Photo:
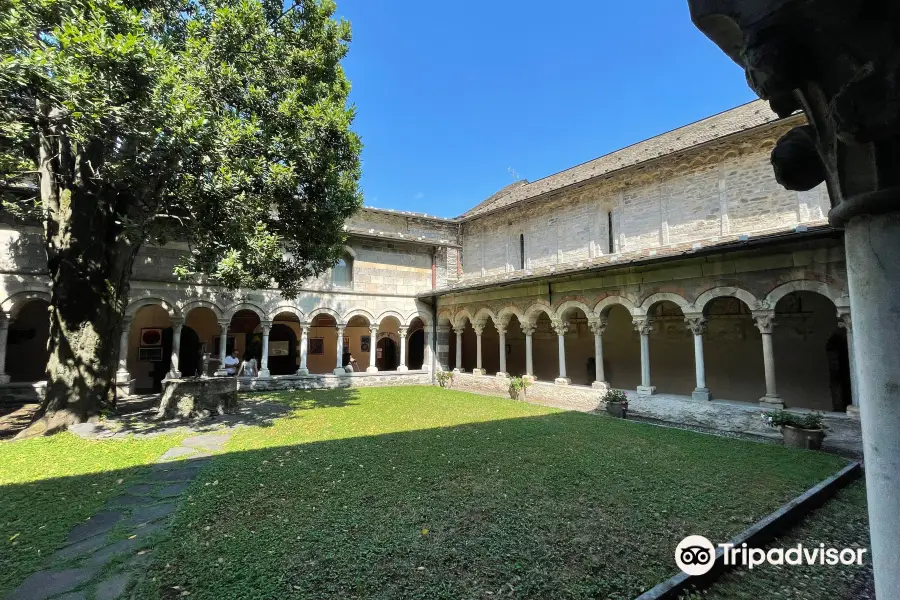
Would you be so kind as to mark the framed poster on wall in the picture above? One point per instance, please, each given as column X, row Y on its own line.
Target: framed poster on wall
column 365, row 343
column 279, row 348
column 317, row 346
column 346, row 344
column 151, row 337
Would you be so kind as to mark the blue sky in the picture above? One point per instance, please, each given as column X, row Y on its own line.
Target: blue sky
column 451, row 97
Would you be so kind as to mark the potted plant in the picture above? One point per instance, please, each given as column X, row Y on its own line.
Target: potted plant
column 798, row 430
column 616, row 403
column 517, row 387
column 445, row 379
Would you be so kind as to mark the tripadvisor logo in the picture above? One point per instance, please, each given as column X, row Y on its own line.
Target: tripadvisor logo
column 696, row 555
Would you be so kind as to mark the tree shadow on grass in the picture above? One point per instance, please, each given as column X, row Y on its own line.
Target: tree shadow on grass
column 558, row 506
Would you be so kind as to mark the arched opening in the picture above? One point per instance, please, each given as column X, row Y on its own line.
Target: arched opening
column 805, row 375
column 26, row 345
column 515, row 348
column 621, row 350
column 283, row 344
column 150, row 348
column 469, row 358
column 322, row 345
column 358, row 342
column 246, row 329
column 579, row 344
column 545, row 349
column 204, row 323
column 415, row 345
column 190, row 358
column 387, row 346
column 732, row 351
column 671, row 350
column 490, row 348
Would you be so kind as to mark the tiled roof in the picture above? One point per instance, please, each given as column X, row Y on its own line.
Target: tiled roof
column 406, row 213
column 735, row 120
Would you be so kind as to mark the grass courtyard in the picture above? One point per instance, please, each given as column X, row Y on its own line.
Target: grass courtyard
column 414, row 493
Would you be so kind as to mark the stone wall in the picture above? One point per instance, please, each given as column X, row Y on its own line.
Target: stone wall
column 350, row 380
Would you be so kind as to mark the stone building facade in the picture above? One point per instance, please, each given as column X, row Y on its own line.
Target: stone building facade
column 676, row 267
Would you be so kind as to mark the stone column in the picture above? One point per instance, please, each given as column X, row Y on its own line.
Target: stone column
column 501, row 331
column 561, row 327
column 264, row 361
column 459, row 333
column 430, row 350
column 443, row 347
column 846, row 322
column 339, row 365
column 373, row 348
column 174, row 373
column 402, row 366
column 4, row 336
column 765, row 322
column 697, row 325
column 223, row 345
column 479, row 329
column 644, row 325
column 122, row 375
column 528, row 330
column 598, row 326
column 304, row 349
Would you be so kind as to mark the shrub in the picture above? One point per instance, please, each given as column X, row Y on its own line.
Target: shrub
column 782, row 418
column 445, row 379
column 517, row 384
column 615, row 396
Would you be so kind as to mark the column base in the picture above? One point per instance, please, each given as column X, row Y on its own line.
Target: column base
column 529, row 378
column 853, row 412
column 371, row 369
column 503, row 375
column 4, row 378
column 264, row 374
column 457, row 370
column 772, row 402
column 645, row 390
column 172, row 375
column 125, row 388
column 339, row 371
column 600, row 385
column 562, row 381
column 478, row 372
column 121, row 377
column 403, row 368
column 701, row 394
column 302, row 371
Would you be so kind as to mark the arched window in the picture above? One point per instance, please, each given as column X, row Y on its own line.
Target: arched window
column 521, row 250
column 342, row 272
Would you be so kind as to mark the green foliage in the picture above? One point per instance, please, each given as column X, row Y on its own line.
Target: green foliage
column 617, row 396
column 782, row 418
column 221, row 123
column 517, row 384
column 445, row 378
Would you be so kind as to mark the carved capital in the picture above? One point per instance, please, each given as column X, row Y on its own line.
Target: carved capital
column 560, row 327
column 528, row 329
column 765, row 322
column 697, row 325
column 598, row 326
column 845, row 321
column 643, row 325
column 402, row 331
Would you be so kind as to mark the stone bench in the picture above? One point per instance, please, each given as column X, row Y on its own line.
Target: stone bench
column 200, row 396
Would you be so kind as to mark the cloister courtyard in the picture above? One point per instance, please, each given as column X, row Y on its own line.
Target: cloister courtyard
column 401, row 492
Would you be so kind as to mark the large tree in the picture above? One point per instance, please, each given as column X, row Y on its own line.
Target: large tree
column 221, row 123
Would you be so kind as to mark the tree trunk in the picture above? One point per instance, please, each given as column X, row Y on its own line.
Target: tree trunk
column 89, row 260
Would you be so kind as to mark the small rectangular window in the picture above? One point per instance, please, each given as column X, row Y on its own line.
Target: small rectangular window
column 609, row 233
column 522, row 251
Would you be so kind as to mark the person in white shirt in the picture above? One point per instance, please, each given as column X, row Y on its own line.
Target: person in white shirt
column 231, row 363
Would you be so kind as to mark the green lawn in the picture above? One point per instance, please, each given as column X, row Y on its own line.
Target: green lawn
column 429, row 493
column 48, row 485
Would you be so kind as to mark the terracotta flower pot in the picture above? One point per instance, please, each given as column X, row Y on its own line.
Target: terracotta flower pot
column 808, row 439
column 517, row 394
column 617, row 409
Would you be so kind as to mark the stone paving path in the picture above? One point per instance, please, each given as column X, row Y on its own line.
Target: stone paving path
column 105, row 554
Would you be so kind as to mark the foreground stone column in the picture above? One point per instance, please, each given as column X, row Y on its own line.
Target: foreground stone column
column 430, row 351
column 339, row 365
column 501, row 331
column 561, row 327
column 598, row 327
column 373, row 348
column 122, row 375
column 459, row 333
column 4, row 336
column 528, row 330
column 402, row 366
column 837, row 61
column 174, row 373
column 304, row 349
column 765, row 322
column 479, row 329
column 644, row 325
column 223, row 345
column 846, row 322
column 264, row 361
column 443, row 347
column 697, row 325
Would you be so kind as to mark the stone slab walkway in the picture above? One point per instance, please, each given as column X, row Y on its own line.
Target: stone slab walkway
column 104, row 555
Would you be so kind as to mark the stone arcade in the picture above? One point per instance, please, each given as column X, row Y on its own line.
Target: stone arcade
column 677, row 268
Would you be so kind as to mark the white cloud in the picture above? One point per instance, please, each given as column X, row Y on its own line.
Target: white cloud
column 420, row 196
